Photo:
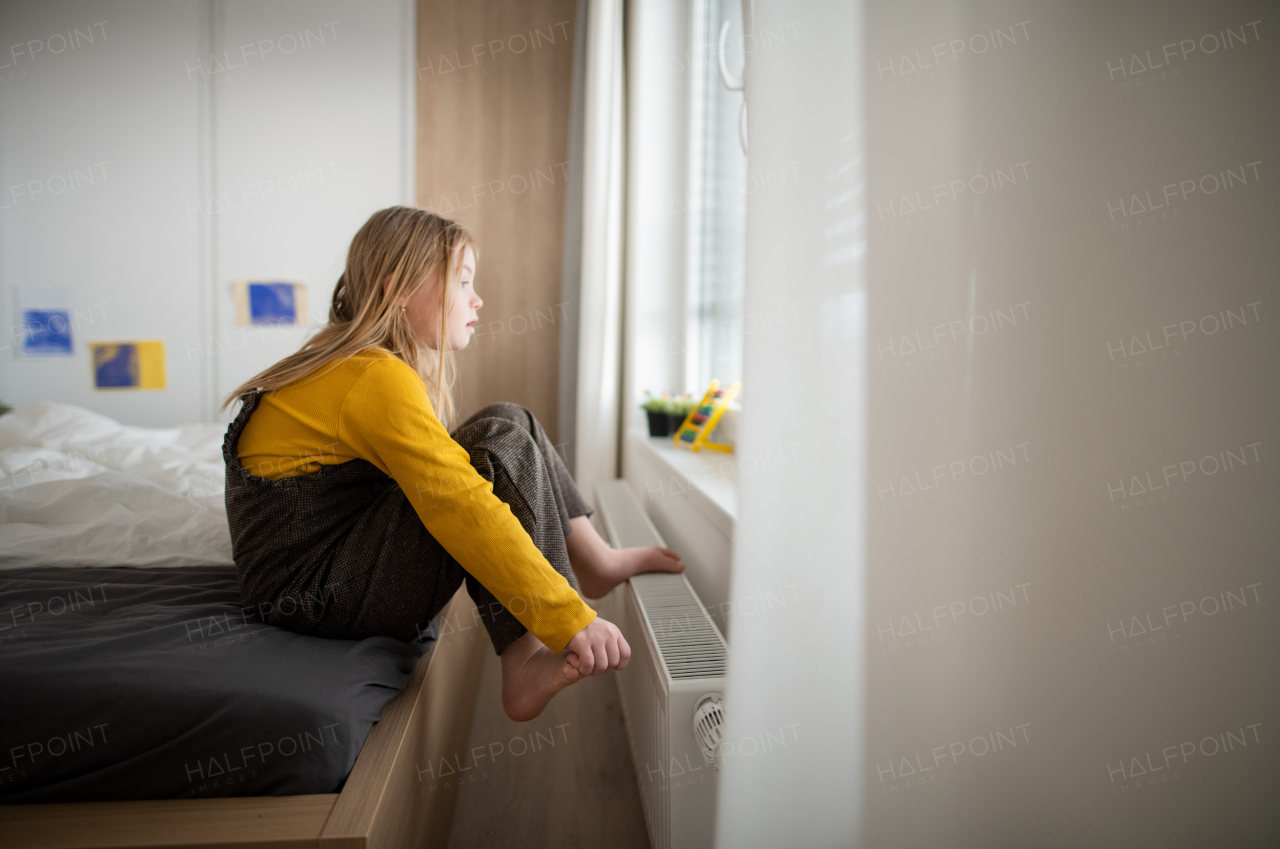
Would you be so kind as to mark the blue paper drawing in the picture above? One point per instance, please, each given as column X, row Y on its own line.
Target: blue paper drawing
column 116, row 366
column 272, row 303
column 46, row 333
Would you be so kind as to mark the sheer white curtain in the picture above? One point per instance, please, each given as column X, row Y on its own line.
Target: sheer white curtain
column 600, row 299
column 793, row 759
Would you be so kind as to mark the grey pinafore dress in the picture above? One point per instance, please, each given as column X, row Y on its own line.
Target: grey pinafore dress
column 341, row 553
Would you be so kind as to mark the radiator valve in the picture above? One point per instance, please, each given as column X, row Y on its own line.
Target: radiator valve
column 708, row 722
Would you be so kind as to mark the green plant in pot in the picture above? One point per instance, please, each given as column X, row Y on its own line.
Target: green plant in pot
column 667, row 412
column 658, row 408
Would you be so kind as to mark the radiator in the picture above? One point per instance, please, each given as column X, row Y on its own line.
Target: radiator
column 672, row 690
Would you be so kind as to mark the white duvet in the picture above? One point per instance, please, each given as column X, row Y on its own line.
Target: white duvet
column 80, row 489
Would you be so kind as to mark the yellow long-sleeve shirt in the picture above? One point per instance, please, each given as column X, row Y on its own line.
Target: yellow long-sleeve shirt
column 374, row 407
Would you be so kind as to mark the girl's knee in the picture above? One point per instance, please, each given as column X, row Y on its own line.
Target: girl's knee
column 505, row 410
column 493, row 432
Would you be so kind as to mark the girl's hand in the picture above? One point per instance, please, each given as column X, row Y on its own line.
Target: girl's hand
column 599, row 647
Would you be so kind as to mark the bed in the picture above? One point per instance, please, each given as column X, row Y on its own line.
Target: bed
column 143, row 705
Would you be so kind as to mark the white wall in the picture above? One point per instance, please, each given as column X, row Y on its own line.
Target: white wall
column 228, row 140
column 1070, row 219
column 1009, row 603
column 120, row 111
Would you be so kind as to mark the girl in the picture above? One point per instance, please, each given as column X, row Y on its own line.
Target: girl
column 355, row 512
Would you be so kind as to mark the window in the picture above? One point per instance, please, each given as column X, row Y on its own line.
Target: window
column 716, row 236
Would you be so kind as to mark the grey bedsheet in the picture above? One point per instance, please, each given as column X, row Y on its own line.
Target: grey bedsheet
column 136, row 683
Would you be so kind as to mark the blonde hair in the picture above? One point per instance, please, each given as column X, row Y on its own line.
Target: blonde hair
column 407, row 247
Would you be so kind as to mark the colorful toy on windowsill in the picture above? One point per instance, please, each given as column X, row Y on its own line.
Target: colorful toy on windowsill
column 697, row 428
column 665, row 412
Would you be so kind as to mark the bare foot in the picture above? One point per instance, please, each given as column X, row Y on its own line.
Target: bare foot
column 600, row 568
column 616, row 566
column 532, row 675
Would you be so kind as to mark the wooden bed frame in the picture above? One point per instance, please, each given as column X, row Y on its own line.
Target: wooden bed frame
column 384, row 804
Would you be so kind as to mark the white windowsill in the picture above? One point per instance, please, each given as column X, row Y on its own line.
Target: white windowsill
column 708, row 479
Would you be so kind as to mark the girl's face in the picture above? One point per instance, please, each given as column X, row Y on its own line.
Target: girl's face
column 424, row 317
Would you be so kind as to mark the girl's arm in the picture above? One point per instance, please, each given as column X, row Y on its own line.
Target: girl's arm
column 387, row 418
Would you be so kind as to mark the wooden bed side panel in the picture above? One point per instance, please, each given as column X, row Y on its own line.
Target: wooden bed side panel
column 385, row 804
column 258, row 822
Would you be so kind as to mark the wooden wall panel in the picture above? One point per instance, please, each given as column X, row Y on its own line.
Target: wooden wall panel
column 494, row 84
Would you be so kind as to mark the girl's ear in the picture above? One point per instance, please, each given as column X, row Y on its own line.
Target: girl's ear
column 386, row 281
